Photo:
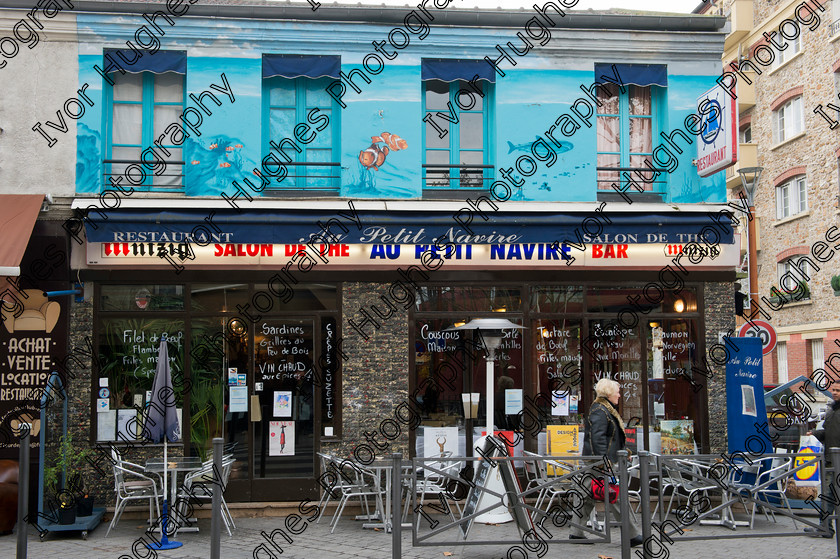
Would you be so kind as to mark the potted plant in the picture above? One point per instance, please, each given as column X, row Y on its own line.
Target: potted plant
column 835, row 285
column 84, row 505
column 70, row 461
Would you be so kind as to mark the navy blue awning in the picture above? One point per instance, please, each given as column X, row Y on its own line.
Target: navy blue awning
column 453, row 70
column 158, row 62
column 635, row 74
column 301, row 66
column 289, row 227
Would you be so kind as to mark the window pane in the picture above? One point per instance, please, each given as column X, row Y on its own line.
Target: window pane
column 477, row 299
column 608, row 95
column 437, row 94
column 608, row 134
column 323, row 138
column 433, row 139
column 796, row 107
column 282, row 94
column 169, row 87
column 639, row 100
column 127, row 127
column 125, row 154
column 803, row 195
column 780, row 125
column 281, row 123
column 472, row 131
column 471, row 96
column 142, row 298
column 164, row 116
column 641, row 131
column 128, row 87
column 316, row 92
column 173, row 175
column 437, row 156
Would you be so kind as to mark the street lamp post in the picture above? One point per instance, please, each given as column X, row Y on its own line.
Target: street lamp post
column 749, row 180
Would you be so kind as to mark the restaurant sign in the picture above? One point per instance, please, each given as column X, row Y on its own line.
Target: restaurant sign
column 389, row 256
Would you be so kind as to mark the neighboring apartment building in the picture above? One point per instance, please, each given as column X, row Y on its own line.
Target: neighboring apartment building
column 797, row 196
column 207, row 171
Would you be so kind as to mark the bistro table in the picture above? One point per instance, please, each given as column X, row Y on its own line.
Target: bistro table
column 385, row 520
column 175, row 464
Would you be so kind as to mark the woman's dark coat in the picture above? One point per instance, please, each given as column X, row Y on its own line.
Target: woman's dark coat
column 603, row 435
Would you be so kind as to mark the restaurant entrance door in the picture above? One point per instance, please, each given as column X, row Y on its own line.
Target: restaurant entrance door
column 275, row 428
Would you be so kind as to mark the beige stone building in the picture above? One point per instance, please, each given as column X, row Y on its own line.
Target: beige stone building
column 785, row 56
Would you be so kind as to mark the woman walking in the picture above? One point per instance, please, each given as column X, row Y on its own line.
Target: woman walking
column 603, row 436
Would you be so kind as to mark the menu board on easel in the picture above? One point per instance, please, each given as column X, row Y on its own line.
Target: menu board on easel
column 284, row 353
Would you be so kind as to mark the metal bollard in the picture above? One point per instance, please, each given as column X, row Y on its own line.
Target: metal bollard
column 216, row 518
column 624, row 503
column 644, row 481
column 23, row 491
column 396, row 514
column 835, row 468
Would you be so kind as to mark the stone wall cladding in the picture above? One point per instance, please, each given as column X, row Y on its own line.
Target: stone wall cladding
column 375, row 372
column 816, row 151
column 718, row 298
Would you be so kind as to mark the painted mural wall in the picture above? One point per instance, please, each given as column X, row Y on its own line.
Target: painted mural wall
column 381, row 128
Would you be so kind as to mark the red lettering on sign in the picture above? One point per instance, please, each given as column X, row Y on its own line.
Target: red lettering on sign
column 597, row 251
column 622, row 251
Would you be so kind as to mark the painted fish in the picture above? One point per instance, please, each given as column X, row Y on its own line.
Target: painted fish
column 229, row 148
column 224, row 164
column 368, row 157
column 213, row 146
column 195, row 161
column 238, row 146
column 393, row 141
column 376, row 139
column 564, row 146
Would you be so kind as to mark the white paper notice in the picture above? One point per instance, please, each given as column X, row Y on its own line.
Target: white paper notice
column 559, row 404
column 103, row 382
column 282, row 404
column 106, row 425
column 281, row 438
column 238, row 399
column 123, row 417
column 513, row 401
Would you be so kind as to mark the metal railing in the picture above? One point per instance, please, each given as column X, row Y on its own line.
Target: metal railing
column 630, row 179
column 168, row 181
column 440, row 176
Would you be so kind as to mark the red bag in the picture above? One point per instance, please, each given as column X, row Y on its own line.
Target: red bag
column 597, row 487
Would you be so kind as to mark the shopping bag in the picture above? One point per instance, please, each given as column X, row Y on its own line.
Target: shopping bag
column 809, row 475
column 597, row 487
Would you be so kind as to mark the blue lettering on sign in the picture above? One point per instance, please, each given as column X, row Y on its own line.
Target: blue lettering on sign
column 392, row 252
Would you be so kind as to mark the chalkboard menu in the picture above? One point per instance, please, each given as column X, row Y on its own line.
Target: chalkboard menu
column 284, row 351
column 329, row 362
column 617, row 354
column 557, row 350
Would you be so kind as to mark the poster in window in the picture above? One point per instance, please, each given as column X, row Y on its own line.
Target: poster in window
column 677, row 436
column 559, row 403
column 281, row 438
column 282, row 403
column 563, row 440
column 748, row 406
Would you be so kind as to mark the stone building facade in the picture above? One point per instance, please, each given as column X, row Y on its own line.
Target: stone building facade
column 792, row 217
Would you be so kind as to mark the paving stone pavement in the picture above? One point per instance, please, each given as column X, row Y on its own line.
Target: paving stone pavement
column 351, row 540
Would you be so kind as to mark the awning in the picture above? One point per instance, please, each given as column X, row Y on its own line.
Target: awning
column 401, row 227
column 635, row 74
column 450, row 70
column 301, row 66
column 18, row 213
column 157, row 63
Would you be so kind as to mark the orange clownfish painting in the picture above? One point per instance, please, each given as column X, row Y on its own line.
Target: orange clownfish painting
column 229, row 148
column 374, row 156
column 195, row 161
column 213, row 146
column 238, row 146
column 224, row 164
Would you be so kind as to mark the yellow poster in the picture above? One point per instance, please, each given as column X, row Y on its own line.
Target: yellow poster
column 562, row 441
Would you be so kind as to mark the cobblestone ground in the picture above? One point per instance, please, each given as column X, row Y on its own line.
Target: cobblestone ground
column 351, row 540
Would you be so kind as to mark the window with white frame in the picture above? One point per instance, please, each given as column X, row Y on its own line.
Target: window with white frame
column 798, row 270
column 791, row 197
column 817, row 355
column 781, row 357
column 788, row 120
column 783, row 55
column 746, row 135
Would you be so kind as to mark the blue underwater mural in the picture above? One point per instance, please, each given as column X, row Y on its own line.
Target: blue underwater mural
column 380, row 132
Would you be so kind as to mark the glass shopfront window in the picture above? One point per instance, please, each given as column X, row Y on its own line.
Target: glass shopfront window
column 572, row 340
